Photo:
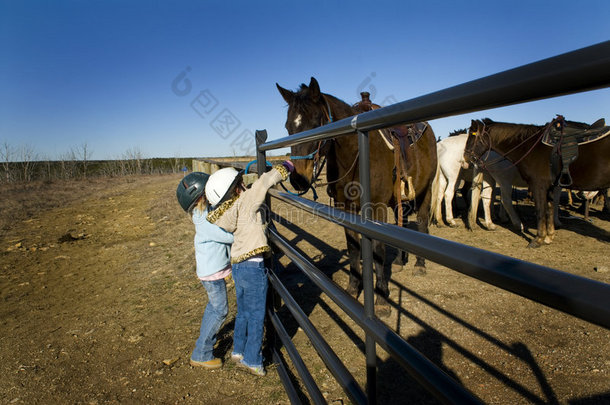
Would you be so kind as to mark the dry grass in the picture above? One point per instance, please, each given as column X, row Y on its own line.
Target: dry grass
column 21, row 201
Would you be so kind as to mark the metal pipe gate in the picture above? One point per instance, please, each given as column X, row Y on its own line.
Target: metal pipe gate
column 581, row 70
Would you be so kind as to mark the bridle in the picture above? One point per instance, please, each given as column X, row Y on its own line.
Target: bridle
column 319, row 160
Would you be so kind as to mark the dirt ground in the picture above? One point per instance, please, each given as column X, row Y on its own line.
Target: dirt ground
column 100, row 304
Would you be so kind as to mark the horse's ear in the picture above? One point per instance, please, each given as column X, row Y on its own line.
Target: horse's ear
column 314, row 89
column 473, row 126
column 286, row 94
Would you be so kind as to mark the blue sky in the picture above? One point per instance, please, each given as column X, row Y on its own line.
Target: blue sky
column 107, row 73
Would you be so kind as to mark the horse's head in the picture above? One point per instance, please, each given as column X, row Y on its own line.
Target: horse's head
column 307, row 109
column 477, row 143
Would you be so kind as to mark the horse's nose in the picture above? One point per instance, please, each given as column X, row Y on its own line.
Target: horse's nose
column 299, row 182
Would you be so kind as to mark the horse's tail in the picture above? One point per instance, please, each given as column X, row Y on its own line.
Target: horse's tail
column 434, row 198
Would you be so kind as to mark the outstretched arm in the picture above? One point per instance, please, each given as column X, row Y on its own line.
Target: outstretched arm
column 256, row 194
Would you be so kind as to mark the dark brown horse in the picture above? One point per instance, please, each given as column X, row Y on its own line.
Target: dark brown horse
column 522, row 145
column 309, row 108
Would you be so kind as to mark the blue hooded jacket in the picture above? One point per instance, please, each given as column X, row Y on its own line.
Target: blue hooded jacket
column 212, row 245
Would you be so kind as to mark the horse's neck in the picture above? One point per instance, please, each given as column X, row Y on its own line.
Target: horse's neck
column 511, row 137
column 344, row 151
column 339, row 109
column 342, row 154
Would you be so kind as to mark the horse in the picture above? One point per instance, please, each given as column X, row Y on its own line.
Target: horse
column 454, row 169
column 522, row 144
column 309, row 108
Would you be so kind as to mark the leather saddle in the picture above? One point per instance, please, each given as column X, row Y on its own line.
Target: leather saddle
column 565, row 137
column 561, row 129
column 406, row 135
column 397, row 139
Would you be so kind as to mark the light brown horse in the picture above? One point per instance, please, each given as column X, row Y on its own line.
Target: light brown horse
column 310, row 108
column 522, row 145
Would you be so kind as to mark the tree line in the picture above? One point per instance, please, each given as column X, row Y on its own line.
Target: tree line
column 23, row 164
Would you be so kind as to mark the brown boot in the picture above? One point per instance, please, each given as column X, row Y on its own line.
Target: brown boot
column 211, row 364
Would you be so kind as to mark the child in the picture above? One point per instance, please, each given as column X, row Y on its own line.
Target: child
column 212, row 251
column 236, row 210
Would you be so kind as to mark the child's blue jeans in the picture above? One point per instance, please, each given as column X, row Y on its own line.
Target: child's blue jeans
column 214, row 315
column 251, row 293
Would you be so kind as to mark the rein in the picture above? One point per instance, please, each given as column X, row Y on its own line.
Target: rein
column 345, row 175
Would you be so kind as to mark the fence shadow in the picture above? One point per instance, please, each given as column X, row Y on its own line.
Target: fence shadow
column 397, row 387
column 518, row 350
column 394, row 383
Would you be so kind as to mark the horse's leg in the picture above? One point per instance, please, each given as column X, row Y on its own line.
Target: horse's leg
column 423, row 218
column 442, row 186
column 587, row 207
column 449, row 193
column 540, row 203
column 382, row 307
column 506, row 195
column 487, row 198
column 556, row 200
column 475, row 196
column 353, row 253
column 402, row 257
column 550, row 224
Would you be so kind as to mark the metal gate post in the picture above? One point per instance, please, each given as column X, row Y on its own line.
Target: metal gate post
column 366, row 248
column 272, row 302
column 260, row 137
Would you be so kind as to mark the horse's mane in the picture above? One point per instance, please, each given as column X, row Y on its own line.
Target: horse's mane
column 504, row 130
column 458, row 132
column 340, row 106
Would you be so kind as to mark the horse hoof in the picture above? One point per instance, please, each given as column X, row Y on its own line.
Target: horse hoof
column 490, row 228
column 419, row 271
column 454, row 225
column 534, row 244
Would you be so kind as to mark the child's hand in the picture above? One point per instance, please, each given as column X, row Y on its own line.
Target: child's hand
column 288, row 165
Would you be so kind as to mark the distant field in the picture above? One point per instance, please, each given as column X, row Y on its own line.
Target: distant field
column 19, row 172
